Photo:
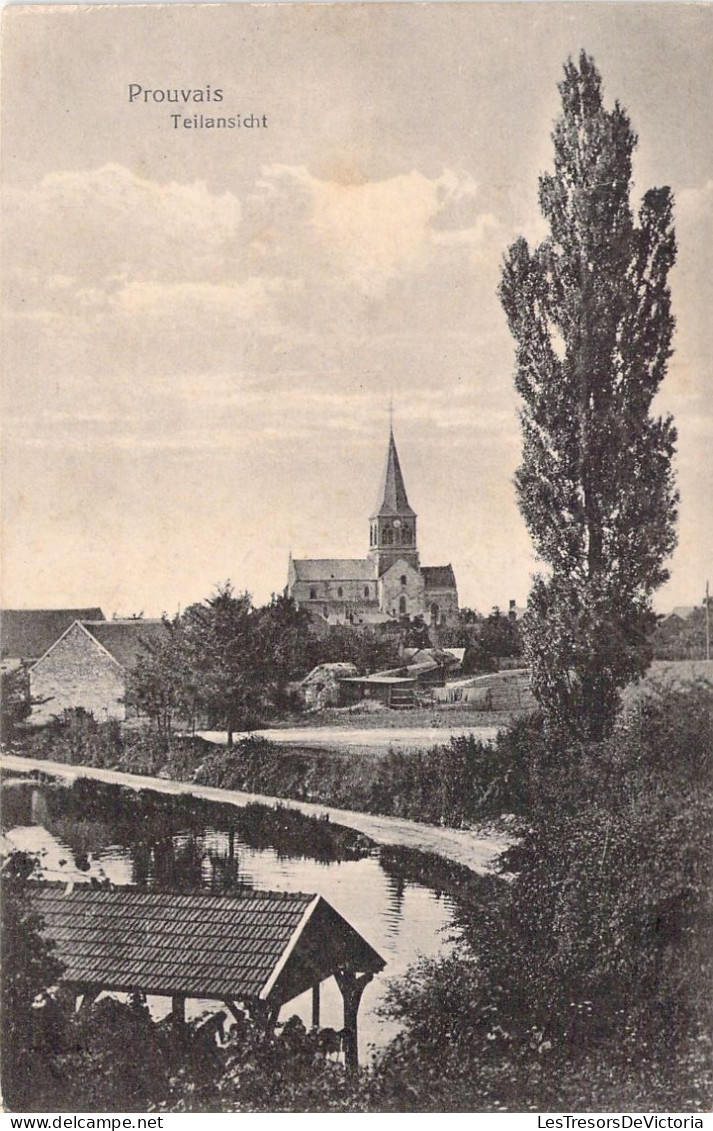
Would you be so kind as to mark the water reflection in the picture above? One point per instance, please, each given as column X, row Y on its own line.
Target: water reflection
column 107, row 833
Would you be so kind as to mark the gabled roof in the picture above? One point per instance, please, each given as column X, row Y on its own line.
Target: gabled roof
column 271, row 945
column 684, row 611
column 333, row 569
column 439, row 577
column 28, row 633
column 392, row 498
column 126, row 640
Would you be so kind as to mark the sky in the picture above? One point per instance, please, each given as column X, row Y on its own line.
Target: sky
column 203, row 328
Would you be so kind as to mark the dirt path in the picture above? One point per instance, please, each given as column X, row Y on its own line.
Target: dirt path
column 475, row 851
column 416, row 737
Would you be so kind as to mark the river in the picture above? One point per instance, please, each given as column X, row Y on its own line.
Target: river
column 156, row 841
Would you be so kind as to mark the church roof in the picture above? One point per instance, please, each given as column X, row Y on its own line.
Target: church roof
column 439, row 577
column 333, row 569
column 392, row 498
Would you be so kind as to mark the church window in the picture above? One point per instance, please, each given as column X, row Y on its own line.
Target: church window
column 340, row 592
column 388, row 536
column 313, row 594
column 402, row 606
column 434, row 613
column 325, row 610
column 407, row 535
column 366, row 590
column 403, row 578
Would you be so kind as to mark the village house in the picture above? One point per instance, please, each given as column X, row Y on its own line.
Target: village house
column 87, row 667
column 26, row 634
column 390, row 582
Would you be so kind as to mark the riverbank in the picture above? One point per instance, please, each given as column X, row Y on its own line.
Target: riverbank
column 472, row 849
column 353, row 737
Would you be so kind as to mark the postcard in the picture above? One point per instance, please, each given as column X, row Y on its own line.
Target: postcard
column 356, row 550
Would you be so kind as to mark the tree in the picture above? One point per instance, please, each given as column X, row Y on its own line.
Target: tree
column 282, row 647
column 162, row 684
column 589, row 310
column 28, row 969
column 220, row 635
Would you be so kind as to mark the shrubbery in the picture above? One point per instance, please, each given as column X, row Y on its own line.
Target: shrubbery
column 581, row 977
column 583, row 982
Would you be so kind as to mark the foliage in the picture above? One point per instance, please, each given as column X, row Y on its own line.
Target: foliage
column 162, row 684
column 457, row 783
column 590, row 312
column 15, row 702
column 580, row 977
column 28, row 969
column 582, row 982
column 683, row 639
column 220, row 635
column 367, row 650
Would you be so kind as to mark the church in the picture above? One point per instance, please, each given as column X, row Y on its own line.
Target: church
column 390, row 582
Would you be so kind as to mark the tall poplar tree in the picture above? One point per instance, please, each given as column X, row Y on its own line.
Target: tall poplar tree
column 590, row 313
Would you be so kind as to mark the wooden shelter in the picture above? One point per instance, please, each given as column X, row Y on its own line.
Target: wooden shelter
column 257, row 948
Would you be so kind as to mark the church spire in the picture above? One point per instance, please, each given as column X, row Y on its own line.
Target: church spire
column 392, row 526
column 392, row 500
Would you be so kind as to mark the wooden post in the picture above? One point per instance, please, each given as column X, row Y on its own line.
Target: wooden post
column 265, row 1014
column 315, row 1006
column 86, row 999
column 351, row 986
column 178, row 1013
column 238, row 1014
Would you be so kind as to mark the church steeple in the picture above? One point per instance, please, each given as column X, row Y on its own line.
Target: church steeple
column 392, row 534
column 392, row 499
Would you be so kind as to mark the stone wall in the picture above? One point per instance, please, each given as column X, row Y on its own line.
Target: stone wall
column 77, row 672
column 337, row 595
column 402, row 591
column 441, row 606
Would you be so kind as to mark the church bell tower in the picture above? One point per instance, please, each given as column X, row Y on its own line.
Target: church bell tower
column 392, row 526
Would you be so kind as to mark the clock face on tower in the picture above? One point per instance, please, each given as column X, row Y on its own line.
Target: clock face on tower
column 397, row 523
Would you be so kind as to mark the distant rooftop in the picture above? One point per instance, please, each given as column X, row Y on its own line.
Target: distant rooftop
column 334, row 569
column 27, row 633
column 126, row 639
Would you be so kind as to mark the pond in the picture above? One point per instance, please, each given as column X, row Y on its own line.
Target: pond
column 90, row 830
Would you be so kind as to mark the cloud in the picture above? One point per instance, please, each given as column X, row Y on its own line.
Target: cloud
column 368, row 234
column 108, row 224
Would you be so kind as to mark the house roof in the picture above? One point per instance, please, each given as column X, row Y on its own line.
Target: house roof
column 271, row 945
column 684, row 611
column 28, row 633
column 125, row 640
column 392, row 499
column 439, row 577
column 334, row 569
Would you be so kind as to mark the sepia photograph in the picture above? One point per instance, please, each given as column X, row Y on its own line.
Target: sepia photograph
column 356, row 543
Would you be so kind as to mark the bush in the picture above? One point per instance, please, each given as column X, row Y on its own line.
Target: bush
column 583, row 981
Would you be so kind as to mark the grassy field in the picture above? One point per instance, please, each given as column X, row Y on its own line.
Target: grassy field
column 670, row 674
column 444, row 715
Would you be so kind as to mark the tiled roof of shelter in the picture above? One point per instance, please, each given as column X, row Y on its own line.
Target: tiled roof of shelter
column 198, row 945
column 28, row 633
column 439, row 577
column 126, row 639
column 392, row 499
column 334, row 569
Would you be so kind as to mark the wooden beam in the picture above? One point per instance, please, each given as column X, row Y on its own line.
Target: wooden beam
column 315, row 1005
column 237, row 1013
column 87, row 996
column 351, row 987
column 178, row 1012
